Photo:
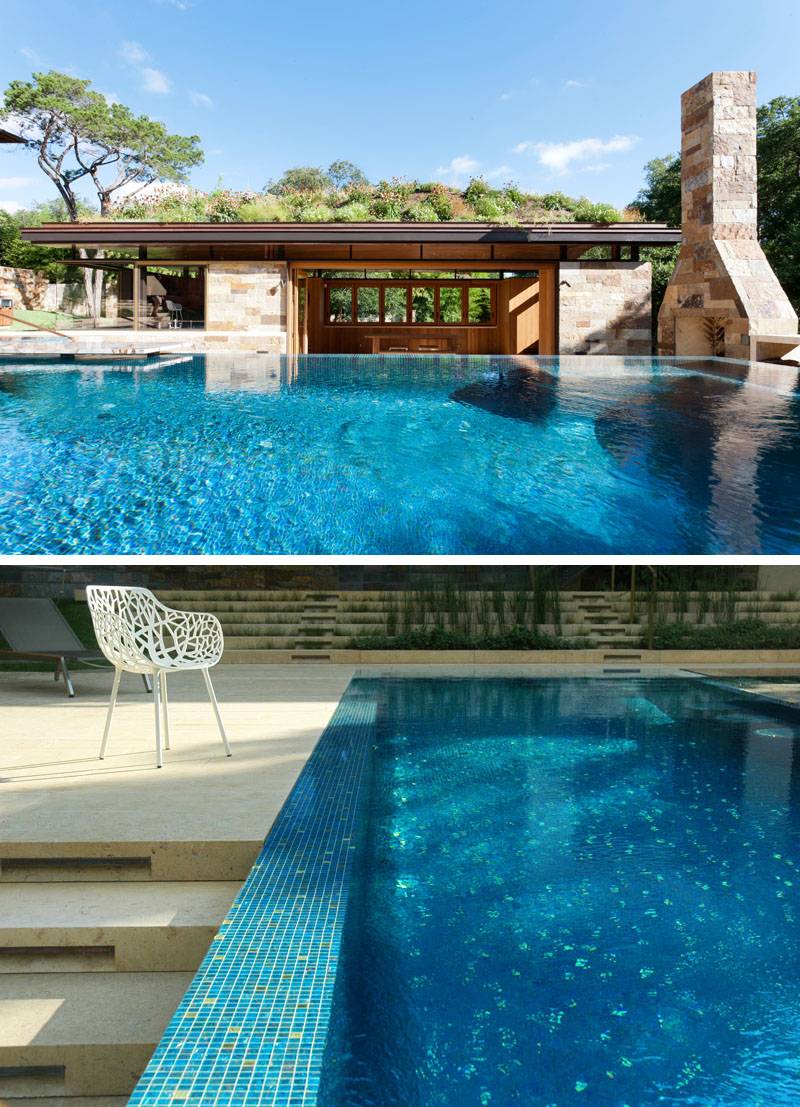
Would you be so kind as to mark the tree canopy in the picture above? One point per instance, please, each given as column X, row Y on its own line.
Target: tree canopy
column 779, row 189
column 660, row 200
column 80, row 138
column 313, row 178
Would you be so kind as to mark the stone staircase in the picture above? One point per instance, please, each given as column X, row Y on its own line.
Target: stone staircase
column 91, row 972
column 601, row 617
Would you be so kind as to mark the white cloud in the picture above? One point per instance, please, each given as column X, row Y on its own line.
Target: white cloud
column 110, row 97
column 499, row 172
column 200, row 100
column 458, row 168
column 215, row 152
column 573, row 84
column 153, row 80
column 134, row 53
column 10, row 206
column 31, row 55
column 505, row 96
column 16, row 182
column 596, row 168
column 559, row 156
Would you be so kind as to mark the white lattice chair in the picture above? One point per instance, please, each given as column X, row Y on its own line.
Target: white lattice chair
column 138, row 634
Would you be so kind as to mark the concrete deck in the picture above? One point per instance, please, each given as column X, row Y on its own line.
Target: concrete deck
column 201, row 817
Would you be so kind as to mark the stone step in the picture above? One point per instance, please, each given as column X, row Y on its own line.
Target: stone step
column 159, row 926
column 82, row 1034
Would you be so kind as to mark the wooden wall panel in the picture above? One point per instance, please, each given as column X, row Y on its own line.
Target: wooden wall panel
column 523, row 316
column 441, row 251
column 245, row 252
column 534, row 251
column 548, row 291
column 297, row 251
column 394, row 251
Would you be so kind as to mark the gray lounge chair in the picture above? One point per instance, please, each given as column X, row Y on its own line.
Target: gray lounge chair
column 37, row 631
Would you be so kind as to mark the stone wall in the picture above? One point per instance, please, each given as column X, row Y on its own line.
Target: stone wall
column 605, row 307
column 24, row 286
column 249, row 298
column 723, row 288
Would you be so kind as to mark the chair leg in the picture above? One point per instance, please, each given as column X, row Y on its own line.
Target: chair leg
column 148, row 687
column 112, row 701
column 215, row 705
column 62, row 661
column 157, row 705
column 165, row 707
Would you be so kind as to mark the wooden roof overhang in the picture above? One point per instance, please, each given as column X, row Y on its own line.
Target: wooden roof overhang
column 122, row 235
column 7, row 136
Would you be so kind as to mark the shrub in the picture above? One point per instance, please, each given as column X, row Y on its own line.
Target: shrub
column 442, row 201
column 354, row 211
column 265, row 209
column 554, row 201
column 476, row 187
column 493, row 206
column 438, row 638
column 586, row 211
column 422, row 211
column 742, row 634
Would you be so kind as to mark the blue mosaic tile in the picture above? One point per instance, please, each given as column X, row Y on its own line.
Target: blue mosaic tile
column 251, row 1028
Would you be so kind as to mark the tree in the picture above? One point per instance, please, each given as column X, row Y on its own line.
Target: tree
column 779, row 190
column 79, row 138
column 18, row 254
column 300, row 178
column 660, row 200
column 342, row 174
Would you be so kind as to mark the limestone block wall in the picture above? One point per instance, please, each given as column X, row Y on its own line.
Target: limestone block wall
column 25, row 287
column 247, row 298
column 605, row 307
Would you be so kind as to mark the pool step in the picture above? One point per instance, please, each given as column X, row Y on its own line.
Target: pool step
column 163, row 926
column 82, row 1034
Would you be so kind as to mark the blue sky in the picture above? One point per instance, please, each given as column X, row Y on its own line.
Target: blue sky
column 571, row 96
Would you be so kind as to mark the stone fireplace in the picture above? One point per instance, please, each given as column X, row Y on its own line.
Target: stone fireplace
column 723, row 289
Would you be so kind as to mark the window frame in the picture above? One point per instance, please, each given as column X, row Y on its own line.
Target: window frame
column 463, row 284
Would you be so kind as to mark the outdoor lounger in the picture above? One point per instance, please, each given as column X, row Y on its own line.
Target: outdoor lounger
column 37, row 631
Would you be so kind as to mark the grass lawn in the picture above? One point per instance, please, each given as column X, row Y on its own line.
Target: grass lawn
column 53, row 319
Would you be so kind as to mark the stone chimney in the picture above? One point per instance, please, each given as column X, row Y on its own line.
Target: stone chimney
column 723, row 288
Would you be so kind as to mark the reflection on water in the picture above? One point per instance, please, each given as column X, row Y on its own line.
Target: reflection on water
column 230, row 454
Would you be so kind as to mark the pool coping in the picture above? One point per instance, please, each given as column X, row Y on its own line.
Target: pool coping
column 254, row 1029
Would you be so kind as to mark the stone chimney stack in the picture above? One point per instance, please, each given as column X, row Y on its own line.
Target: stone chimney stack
column 723, row 288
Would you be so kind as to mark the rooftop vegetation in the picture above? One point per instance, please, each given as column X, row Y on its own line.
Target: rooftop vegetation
column 308, row 194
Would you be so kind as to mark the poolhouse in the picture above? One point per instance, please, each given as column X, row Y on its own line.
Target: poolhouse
column 379, row 287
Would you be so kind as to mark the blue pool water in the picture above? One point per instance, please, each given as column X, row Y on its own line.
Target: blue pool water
column 228, row 454
column 572, row 892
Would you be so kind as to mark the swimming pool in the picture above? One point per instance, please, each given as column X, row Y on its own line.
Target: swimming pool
column 398, row 455
column 491, row 891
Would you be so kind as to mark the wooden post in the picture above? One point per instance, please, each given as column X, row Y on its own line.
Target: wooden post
column 633, row 593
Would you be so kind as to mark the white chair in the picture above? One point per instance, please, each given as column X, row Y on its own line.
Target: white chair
column 175, row 313
column 138, row 634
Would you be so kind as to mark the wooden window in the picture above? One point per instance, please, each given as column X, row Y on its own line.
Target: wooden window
column 395, row 304
column 369, row 303
column 451, row 307
column 340, row 304
column 446, row 303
